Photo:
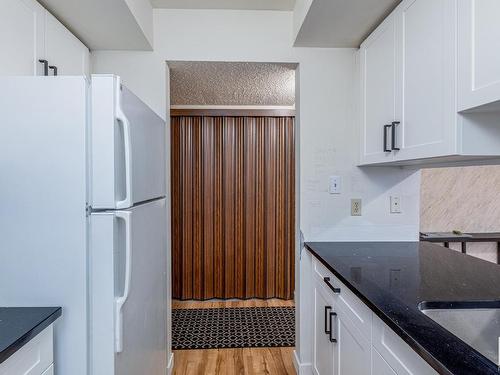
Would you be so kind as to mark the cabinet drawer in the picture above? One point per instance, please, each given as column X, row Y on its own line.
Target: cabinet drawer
column 357, row 311
column 397, row 354
column 33, row 358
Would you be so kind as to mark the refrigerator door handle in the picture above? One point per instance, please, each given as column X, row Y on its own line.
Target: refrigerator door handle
column 120, row 301
column 122, row 119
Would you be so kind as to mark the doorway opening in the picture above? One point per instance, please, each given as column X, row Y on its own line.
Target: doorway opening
column 233, row 176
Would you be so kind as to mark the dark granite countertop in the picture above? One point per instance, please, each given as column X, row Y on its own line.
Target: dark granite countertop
column 425, row 272
column 18, row 325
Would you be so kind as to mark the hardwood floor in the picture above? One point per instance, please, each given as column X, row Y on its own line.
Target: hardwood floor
column 246, row 361
column 242, row 361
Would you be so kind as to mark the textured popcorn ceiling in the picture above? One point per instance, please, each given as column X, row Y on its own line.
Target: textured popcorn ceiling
column 231, row 83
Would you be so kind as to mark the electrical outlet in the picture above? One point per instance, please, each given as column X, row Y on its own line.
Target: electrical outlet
column 395, row 204
column 355, row 207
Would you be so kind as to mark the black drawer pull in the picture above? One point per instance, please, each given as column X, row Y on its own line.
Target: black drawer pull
column 45, row 66
column 386, row 149
column 327, row 310
column 330, row 335
column 393, row 134
column 54, row 69
column 327, row 282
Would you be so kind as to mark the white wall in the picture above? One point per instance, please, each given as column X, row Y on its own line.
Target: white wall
column 142, row 11
column 299, row 14
column 326, row 120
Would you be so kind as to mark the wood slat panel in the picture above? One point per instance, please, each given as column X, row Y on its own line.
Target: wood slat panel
column 233, row 207
column 218, row 269
column 208, row 147
column 197, row 195
column 187, row 208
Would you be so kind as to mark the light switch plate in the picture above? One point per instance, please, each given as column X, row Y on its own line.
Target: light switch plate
column 356, row 207
column 335, row 184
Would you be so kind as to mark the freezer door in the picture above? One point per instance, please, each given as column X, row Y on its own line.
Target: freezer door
column 128, row 262
column 127, row 147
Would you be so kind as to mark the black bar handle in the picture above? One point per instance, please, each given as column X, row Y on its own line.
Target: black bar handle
column 393, row 125
column 327, row 282
column 385, row 138
column 330, row 335
column 45, row 66
column 54, row 69
column 327, row 309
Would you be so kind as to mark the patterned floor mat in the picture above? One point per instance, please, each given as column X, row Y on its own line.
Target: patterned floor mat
column 241, row 327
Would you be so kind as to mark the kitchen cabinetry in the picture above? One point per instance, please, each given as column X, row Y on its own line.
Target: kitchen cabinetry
column 426, row 106
column 21, row 37
column 29, row 33
column 324, row 349
column 378, row 77
column 349, row 339
column 409, row 90
column 479, row 53
column 395, row 353
column 34, row 358
column 341, row 345
column 64, row 50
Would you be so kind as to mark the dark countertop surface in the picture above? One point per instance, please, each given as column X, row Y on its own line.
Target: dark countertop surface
column 421, row 272
column 18, row 325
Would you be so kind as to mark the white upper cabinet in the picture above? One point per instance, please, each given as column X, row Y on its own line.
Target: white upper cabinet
column 378, row 92
column 422, row 52
column 21, row 36
column 28, row 33
column 426, row 79
column 64, row 50
column 479, row 53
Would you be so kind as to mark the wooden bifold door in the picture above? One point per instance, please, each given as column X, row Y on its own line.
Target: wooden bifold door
column 233, row 207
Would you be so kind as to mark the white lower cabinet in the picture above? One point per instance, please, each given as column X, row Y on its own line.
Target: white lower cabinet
column 397, row 354
column 349, row 339
column 324, row 350
column 379, row 365
column 353, row 350
column 34, row 358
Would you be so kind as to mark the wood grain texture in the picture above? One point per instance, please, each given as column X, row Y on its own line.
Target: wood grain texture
column 192, row 304
column 243, row 361
column 233, row 192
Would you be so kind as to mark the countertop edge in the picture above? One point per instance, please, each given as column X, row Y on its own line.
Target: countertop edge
column 28, row 336
column 422, row 352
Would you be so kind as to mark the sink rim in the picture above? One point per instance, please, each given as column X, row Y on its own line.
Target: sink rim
column 456, row 305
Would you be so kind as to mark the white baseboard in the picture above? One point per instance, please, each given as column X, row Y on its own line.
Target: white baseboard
column 170, row 366
column 301, row 368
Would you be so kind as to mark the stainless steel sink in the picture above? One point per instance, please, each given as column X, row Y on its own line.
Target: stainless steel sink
column 476, row 323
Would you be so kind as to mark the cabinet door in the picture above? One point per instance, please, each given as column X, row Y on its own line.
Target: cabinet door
column 426, row 104
column 323, row 351
column 64, row 50
column 353, row 350
column 479, row 52
column 396, row 353
column 379, row 365
column 378, row 90
column 21, row 37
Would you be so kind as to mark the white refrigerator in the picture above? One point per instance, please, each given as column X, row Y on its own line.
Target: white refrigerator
column 84, row 221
